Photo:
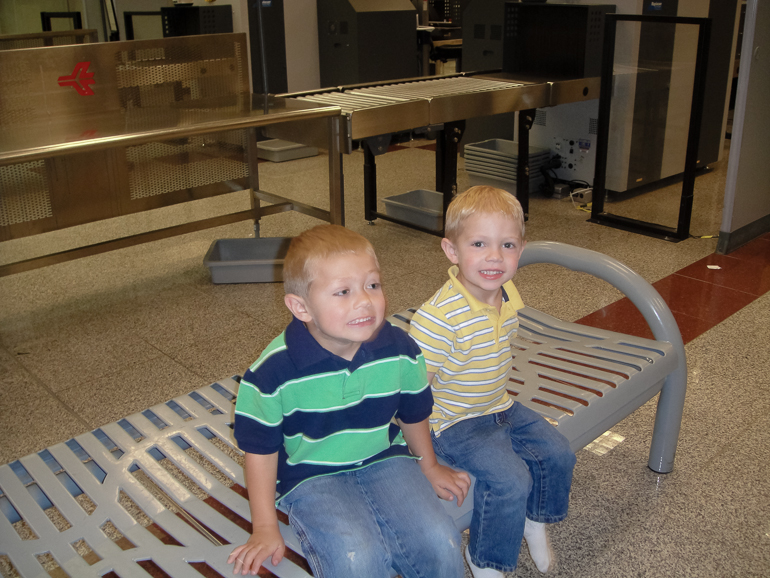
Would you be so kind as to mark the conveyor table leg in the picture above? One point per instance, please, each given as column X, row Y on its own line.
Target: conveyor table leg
column 526, row 118
column 370, row 184
column 253, row 162
column 336, row 176
column 446, row 160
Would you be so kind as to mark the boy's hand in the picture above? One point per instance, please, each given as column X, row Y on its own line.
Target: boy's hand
column 448, row 483
column 264, row 543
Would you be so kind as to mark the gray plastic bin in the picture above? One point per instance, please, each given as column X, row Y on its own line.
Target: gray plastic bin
column 277, row 150
column 487, row 180
column 421, row 207
column 501, row 149
column 247, row 260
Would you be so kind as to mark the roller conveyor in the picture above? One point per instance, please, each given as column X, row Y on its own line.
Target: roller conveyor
column 374, row 112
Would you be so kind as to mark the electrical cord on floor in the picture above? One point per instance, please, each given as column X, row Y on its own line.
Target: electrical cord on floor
column 586, row 207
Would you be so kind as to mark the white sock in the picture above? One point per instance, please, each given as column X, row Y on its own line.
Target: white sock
column 539, row 546
column 481, row 572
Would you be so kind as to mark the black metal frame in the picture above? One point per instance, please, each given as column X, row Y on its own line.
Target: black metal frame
column 447, row 143
column 128, row 21
column 45, row 17
column 446, row 172
column 111, row 30
column 598, row 215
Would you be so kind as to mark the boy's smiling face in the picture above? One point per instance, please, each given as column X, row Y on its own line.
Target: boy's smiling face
column 487, row 252
column 345, row 305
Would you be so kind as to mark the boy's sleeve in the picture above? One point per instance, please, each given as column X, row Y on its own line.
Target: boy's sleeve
column 258, row 427
column 416, row 400
column 513, row 296
column 434, row 335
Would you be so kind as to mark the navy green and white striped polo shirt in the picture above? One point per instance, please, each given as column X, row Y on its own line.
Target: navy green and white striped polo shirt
column 324, row 414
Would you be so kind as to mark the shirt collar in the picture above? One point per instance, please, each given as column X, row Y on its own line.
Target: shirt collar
column 305, row 351
column 508, row 291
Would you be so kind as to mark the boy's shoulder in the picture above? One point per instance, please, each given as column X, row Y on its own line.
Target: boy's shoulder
column 447, row 300
column 275, row 348
column 393, row 341
column 271, row 367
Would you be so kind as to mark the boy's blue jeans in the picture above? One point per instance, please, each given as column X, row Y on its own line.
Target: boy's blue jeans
column 523, row 468
column 361, row 523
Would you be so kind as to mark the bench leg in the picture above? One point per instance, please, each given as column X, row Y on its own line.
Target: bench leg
column 668, row 420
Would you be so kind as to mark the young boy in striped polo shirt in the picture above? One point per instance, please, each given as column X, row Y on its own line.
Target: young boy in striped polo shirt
column 327, row 417
column 523, row 466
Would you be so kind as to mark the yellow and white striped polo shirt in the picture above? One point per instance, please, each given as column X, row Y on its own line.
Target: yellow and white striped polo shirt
column 466, row 343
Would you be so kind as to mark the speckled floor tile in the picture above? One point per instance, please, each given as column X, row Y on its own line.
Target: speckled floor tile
column 133, row 389
column 187, row 315
column 255, row 301
column 16, row 384
column 230, row 353
column 82, row 352
column 32, row 425
column 715, row 523
column 410, row 292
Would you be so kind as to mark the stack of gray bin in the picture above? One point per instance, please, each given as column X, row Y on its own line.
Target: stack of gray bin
column 494, row 163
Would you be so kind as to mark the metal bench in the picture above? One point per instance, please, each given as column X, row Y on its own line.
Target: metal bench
column 161, row 492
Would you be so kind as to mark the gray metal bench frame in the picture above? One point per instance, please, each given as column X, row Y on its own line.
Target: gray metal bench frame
column 583, row 379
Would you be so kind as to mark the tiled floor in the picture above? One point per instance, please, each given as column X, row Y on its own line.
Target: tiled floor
column 87, row 342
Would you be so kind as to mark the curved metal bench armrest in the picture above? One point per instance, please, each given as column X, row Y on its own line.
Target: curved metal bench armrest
column 651, row 305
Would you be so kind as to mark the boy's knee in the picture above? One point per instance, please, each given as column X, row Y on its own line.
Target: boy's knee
column 446, row 537
column 564, row 459
column 512, row 475
column 364, row 561
column 515, row 486
column 444, row 552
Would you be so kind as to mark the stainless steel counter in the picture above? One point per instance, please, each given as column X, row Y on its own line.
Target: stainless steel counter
column 94, row 131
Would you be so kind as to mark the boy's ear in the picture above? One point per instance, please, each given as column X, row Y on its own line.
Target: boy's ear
column 449, row 250
column 297, row 306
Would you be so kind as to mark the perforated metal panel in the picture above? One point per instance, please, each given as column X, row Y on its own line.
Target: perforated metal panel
column 117, row 76
column 16, row 44
column 159, row 76
column 16, row 108
column 165, row 167
column 24, row 194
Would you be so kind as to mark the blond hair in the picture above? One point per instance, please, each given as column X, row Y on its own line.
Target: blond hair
column 315, row 245
column 481, row 199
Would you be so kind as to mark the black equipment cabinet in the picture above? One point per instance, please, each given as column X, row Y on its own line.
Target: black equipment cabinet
column 555, row 40
column 361, row 41
column 193, row 20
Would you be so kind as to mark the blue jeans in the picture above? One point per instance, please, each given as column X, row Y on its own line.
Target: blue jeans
column 523, row 468
column 365, row 522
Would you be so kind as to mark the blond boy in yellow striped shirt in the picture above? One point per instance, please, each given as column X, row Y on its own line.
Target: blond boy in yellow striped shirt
column 523, row 466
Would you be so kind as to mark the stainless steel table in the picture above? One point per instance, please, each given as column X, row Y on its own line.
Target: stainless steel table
column 95, row 131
